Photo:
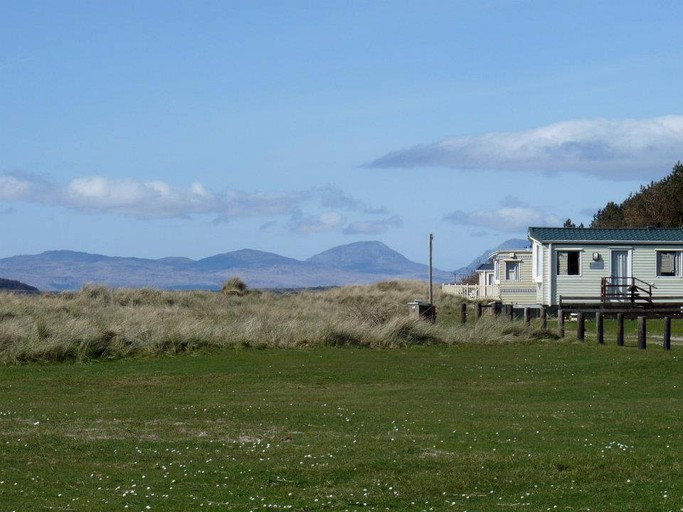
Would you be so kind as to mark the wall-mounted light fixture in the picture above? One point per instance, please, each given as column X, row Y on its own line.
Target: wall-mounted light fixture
column 596, row 256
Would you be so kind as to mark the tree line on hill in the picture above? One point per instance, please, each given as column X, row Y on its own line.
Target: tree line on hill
column 659, row 204
column 16, row 286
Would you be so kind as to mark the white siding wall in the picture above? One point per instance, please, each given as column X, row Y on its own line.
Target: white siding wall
column 643, row 265
column 543, row 256
column 645, row 268
column 523, row 290
column 548, row 271
column 587, row 284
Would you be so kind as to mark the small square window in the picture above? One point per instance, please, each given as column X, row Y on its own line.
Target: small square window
column 568, row 263
column 512, row 270
column 668, row 263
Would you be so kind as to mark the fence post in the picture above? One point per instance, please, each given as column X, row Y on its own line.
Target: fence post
column 477, row 311
column 560, row 323
column 599, row 328
column 527, row 317
column 463, row 313
column 667, row 333
column 642, row 332
column 580, row 326
column 620, row 329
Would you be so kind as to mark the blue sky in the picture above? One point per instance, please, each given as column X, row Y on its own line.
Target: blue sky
column 167, row 128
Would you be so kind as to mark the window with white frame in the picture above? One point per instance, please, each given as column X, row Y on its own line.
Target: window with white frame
column 669, row 263
column 512, row 269
column 568, row 263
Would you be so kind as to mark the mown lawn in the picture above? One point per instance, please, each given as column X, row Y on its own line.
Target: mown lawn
column 546, row 426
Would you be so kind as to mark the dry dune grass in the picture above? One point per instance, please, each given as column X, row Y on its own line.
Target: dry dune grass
column 98, row 322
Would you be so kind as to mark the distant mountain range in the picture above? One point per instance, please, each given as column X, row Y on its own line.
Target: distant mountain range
column 357, row 263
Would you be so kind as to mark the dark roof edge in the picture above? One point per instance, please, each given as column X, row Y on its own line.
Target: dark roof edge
column 536, row 234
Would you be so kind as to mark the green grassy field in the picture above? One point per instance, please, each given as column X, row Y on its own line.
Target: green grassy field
column 550, row 425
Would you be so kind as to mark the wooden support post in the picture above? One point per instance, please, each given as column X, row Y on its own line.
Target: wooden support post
column 527, row 317
column 580, row 326
column 511, row 312
column 544, row 318
column 667, row 333
column 463, row 313
column 642, row 332
column 620, row 329
column 599, row 328
column 560, row 323
column 477, row 311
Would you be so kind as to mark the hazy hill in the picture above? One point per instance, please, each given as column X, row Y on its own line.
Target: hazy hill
column 368, row 257
column 244, row 258
column 512, row 243
column 16, row 286
column 357, row 263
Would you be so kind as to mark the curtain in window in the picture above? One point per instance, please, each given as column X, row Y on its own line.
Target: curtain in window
column 512, row 270
column 667, row 263
column 562, row 263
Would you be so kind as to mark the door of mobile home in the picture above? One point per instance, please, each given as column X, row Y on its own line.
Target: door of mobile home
column 620, row 273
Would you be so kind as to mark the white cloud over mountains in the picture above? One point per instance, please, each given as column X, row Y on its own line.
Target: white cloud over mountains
column 511, row 216
column 157, row 200
column 142, row 199
column 373, row 227
column 322, row 223
column 610, row 149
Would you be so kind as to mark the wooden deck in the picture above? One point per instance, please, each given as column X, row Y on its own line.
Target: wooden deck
column 654, row 307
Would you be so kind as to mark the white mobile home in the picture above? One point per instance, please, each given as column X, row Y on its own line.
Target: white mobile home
column 512, row 272
column 506, row 277
column 486, row 287
column 606, row 264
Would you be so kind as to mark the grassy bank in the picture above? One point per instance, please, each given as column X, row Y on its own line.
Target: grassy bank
column 101, row 323
column 97, row 322
column 460, row 427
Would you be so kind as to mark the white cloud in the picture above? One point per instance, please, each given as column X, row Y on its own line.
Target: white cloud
column 613, row 149
column 13, row 189
column 267, row 226
column 198, row 189
column 315, row 210
column 244, row 204
column 324, row 222
column 506, row 218
column 373, row 227
column 141, row 199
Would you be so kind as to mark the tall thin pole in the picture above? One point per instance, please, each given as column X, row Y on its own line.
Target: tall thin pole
column 431, row 302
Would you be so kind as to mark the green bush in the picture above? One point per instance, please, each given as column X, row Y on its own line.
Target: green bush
column 234, row 286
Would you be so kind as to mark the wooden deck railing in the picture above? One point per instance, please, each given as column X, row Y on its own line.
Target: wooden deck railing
column 472, row 291
column 625, row 289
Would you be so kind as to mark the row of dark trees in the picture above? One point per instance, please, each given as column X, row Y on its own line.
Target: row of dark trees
column 659, row 204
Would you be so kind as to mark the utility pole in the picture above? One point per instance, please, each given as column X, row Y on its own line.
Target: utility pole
column 431, row 297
